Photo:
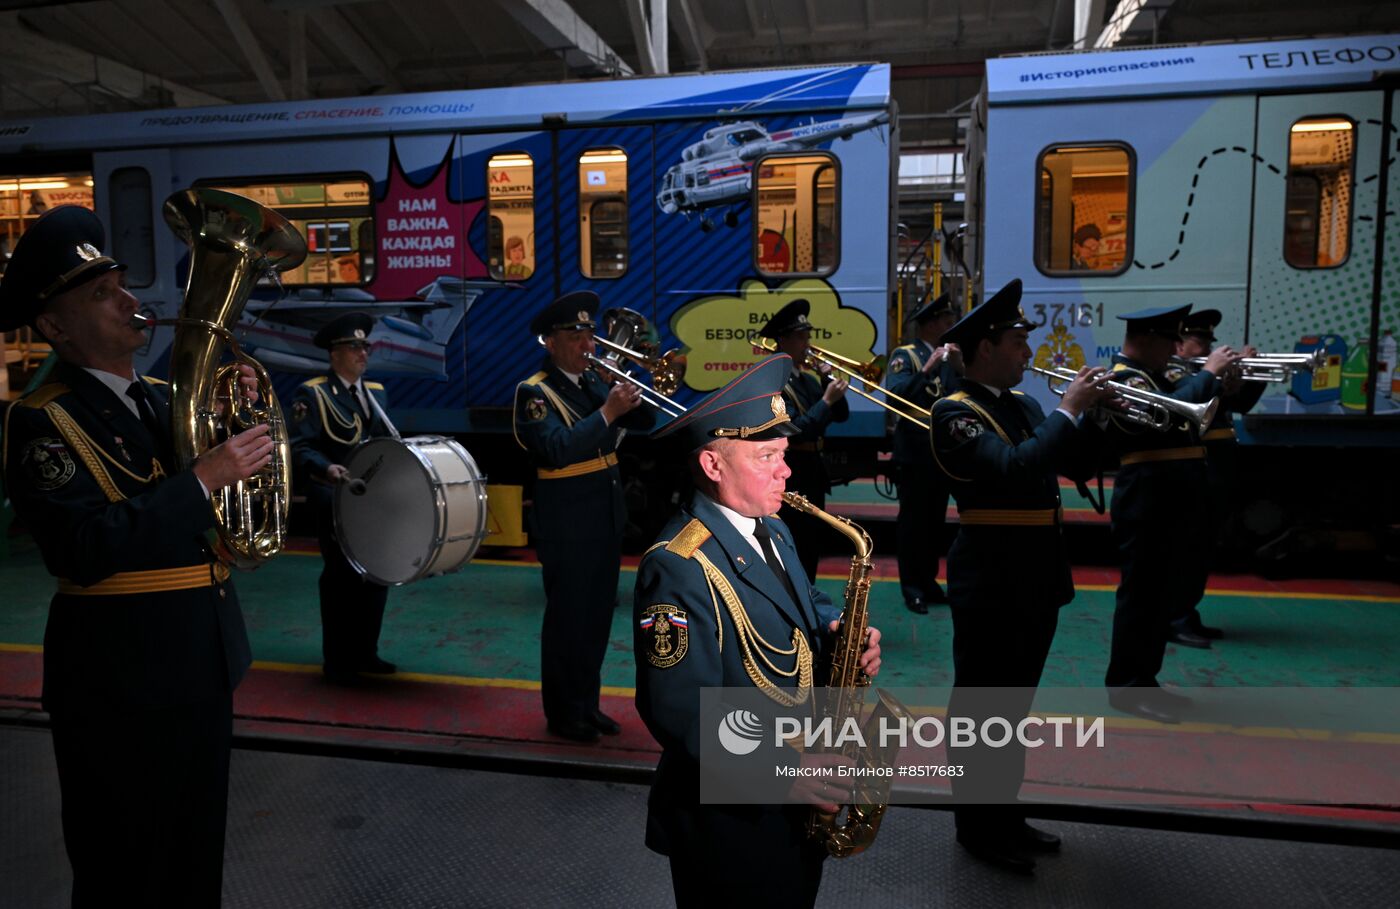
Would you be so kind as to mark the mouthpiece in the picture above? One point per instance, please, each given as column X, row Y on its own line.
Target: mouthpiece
column 141, row 323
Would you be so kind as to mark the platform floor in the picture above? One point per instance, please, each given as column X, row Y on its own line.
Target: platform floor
column 311, row 831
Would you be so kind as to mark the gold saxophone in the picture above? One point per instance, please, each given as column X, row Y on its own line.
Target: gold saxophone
column 846, row 698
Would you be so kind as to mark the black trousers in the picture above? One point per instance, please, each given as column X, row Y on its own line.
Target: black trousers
column 1221, row 463
column 580, row 588
column 736, row 855
column 1164, row 553
column 145, row 793
column 923, row 506
column 1000, row 644
column 352, row 609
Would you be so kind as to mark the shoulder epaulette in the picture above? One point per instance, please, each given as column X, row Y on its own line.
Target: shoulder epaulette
column 1015, row 392
column 153, row 380
column 43, row 395
column 956, row 397
column 312, row 383
column 536, row 379
column 691, row 538
column 375, row 386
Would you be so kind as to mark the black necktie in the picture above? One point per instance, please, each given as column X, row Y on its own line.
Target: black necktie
column 137, row 392
column 770, row 555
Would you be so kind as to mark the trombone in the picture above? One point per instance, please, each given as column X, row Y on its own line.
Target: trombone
column 650, row 395
column 1146, row 408
column 1269, row 367
column 868, row 374
column 667, row 370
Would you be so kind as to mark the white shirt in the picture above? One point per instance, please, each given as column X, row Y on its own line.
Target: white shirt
column 119, row 387
column 745, row 525
column 361, row 394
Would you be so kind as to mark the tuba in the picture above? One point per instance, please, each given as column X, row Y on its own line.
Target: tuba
column 845, row 698
column 233, row 242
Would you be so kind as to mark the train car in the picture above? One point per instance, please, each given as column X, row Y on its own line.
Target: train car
column 1255, row 179
column 704, row 202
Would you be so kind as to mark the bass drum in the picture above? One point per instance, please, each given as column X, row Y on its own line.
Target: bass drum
column 410, row 509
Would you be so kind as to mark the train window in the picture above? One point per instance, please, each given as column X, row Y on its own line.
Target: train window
column 24, row 199
column 1317, row 204
column 511, row 206
column 133, row 240
column 334, row 214
column 797, row 226
column 1084, row 210
column 602, row 213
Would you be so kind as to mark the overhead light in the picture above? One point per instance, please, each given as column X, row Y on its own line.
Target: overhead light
column 511, row 161
column 1317, row 126
column 43, row 184
column 611, row 157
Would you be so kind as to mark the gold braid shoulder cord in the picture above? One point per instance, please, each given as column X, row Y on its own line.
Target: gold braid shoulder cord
column 328, row 409
column 749, row 636
column 89, row 452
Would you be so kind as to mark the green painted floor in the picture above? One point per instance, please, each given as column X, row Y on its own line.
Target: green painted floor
column 483, row 622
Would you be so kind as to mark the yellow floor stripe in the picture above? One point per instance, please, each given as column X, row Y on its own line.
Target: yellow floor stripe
column 1101, row 588
column 462, row 680
column 1110, row 722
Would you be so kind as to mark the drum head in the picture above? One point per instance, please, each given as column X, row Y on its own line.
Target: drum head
column 390, row 531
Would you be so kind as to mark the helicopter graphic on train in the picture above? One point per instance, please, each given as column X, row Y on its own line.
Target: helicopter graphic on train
column 718, row 170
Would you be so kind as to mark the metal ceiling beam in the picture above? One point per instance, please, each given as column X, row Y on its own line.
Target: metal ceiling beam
column 556, row 25
column 252, row 50
column 641, row 36
column 22, row 46
column 364, row 58
column 1133, row 19
column 298, row 86
column 688, row 31
column 1088, row 21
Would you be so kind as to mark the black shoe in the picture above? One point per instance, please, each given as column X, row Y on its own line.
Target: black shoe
column 1187, row 638
column 1136, row 702
column 1208, row 632
column 997, row 851
column 378, row 666
column 338, row 676
column 574, row 730
column 1033, row 840
column 604, row 723
column 1170, row 699
column 916, row 606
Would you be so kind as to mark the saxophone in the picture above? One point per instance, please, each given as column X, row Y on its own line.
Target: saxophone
column 847, row 684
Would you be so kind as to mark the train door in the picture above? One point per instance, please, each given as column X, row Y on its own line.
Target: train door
column 1313, row 252
column 605, row 213
column 507, row 183
column 130, row 189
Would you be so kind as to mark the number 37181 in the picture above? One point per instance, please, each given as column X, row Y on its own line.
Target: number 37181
column 1073, row 315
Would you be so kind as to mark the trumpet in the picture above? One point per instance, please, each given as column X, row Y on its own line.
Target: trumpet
column 868, row 374
column 1269, row 367
column 1146, row 408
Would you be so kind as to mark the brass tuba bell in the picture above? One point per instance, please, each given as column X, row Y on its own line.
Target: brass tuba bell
column 233, row 242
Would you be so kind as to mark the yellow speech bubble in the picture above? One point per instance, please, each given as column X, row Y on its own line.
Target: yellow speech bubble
column 718, row 331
